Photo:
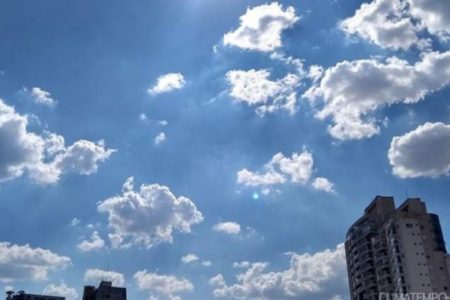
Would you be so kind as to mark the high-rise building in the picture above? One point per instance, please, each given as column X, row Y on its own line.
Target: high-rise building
column 21, row 295
column 105, row 291
column 396, row 251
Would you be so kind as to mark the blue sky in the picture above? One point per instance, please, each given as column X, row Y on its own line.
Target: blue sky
column 242, row 136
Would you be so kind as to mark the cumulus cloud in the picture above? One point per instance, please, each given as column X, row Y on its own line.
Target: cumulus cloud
column 351, row 91
column 228, row 227
column 167, row 83
column 254, row 88
column 95, row 242
column 189, row 258
column 280, row 169
column 321, row 275
column 61, row 290
column 321, row 183
column 385, row 23
column 96, row 275
column 399, row 24
column 41, row 96
column 148, row 216
column 160, row 138
column 166, row 287
column 44, row 158
column 423, row 152
column 261, row 27
column 19, row 262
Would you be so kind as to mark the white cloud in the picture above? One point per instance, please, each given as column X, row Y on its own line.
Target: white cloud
column 148, row 216
column 207, row 263
column 241, row 265
column 261, row 27
column 351, row 91
column 321, row 183
column 423, row 152
column 166, row 287
column 297, row 169
column 143, row 117
column 434, row 15
column 41, row 96
column 160, row 138
column 399, row 24
column 228, row 227
column 94, row 276
column 44, row 158
column 61, row 290
column 254, row 88
column 321, row 275
column 25, row 263
column 75, row 222
column 95, row 242
column 167, row 83
column 385, row 23
column 189, row 258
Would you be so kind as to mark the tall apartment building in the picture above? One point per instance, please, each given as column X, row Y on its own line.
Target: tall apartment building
column 105, row 291
column 396, row 251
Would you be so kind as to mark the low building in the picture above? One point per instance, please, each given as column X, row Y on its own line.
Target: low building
column 21, row 295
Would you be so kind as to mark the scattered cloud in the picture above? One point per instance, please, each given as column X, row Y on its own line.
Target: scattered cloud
column 189, row 258
column 167, row 83
column 25, row 263
column 321, row 183
column 321, row 275
column 160, row 138
column 423, row 152
column 148, row 216
column 261, row 27
column 40, row 96
column 297, row 169
column 207, row 263
column 94, row 276
column 44, row 158
column 228, row 227
column 166, row 287
column 254, row 88
column 95, row 242
column 75, row 222
column 352, row 91
column 61, row 290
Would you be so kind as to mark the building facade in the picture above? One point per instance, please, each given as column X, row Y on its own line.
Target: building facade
column 396, row 251
column 24, row 296
column 105, row 291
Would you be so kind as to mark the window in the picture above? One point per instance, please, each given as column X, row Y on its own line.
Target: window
column 409, row 225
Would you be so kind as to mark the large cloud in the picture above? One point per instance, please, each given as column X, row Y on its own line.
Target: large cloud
column 94, row 276
column 254, row 88
column 297, row 169
column 261, row 27
column 25, row 263
column 423, row 152
column 399, row 24
column 166, row 287
column 148, row 216
column 321, row 275
column 352, row 90
column 44, row 158
column 61, row 290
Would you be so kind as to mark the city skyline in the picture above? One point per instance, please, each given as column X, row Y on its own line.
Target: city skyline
column 195, row 149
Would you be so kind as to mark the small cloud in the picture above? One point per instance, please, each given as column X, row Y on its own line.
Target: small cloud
column 143, row 117
column 163, row 122
column 41, row 96
column 95, row 242
column 167, row 83
column 207, row 263
column 160, row 138
column 189, row 258
column 321, row 183
column 75, row 222
column 228, row 227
